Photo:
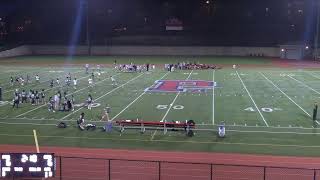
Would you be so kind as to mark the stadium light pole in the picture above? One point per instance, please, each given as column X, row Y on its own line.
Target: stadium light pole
column 316, row 38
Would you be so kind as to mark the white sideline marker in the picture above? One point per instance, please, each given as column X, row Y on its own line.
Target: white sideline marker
column 245, row 87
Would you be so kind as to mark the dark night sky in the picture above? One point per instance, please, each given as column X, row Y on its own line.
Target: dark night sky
column 219, row 21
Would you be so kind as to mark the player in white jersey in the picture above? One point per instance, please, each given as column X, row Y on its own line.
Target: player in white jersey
column 105, row 113
column 37, row 78
column 75, row 82
column 90, row 81
column 87, row 68
column 98, row 68
column 99, row 74
column 58, row 81
column 113, row 80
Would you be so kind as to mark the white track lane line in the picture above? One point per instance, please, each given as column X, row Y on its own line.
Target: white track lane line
column 67, row 95
column 169, row 108
column 144, row 92
column 104, row 95
column 245, row 87
column 287, row 96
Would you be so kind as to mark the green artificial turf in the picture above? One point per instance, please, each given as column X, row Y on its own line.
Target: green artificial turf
column 266, row 110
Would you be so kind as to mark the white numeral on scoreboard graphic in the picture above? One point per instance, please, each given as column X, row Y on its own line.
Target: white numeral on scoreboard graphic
column 176, row 107
column 264, row 109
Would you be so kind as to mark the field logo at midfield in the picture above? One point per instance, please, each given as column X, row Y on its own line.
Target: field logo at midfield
column 194, row 86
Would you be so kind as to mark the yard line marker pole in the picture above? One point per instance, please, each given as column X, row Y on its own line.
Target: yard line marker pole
column 104, row 95
column 245, row 87
column 287, row 96
column 169, row 108
column 144, row 92
column 67, row 95
column 213, row 98
column 305, row 85
column 36, row 140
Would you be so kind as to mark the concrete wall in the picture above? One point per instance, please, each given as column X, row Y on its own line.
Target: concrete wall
column 19, row 51
column 148, row 50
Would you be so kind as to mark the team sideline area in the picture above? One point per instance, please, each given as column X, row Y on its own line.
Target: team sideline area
column 264, row 109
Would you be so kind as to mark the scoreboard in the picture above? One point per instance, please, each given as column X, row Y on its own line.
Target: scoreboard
column 39, row 165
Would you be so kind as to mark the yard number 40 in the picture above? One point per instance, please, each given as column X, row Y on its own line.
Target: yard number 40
column 176, row 107
column 264, row 109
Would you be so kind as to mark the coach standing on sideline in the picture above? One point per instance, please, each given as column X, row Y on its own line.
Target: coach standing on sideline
column 315, row 111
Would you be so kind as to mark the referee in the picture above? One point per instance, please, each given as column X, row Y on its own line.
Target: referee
column 315, row 111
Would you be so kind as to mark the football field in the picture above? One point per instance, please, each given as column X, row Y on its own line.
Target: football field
column 266, row 110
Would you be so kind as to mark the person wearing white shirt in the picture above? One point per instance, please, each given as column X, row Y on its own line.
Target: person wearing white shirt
column 75, row 82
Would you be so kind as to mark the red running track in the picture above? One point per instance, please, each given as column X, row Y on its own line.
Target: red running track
column 176, row 165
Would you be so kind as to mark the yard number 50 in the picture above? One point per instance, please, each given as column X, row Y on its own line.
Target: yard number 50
column 176, row 107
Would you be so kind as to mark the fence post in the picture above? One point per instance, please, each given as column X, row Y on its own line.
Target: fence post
column 211, row 171
column 60, row 159
column 159, row 165
column 109, row 166
column 264, row 173
column 314, row 174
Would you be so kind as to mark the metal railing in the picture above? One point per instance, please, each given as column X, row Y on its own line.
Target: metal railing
column 68, row 168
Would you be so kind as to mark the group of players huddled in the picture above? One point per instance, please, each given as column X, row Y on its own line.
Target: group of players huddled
column 134, row 67
column 34, row 97
column 60, row 101
column 189, row 66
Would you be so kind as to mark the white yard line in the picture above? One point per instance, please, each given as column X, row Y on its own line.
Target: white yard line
column 305, row 85
column 313, row 75
column 169, row 108
column 287, row 96
column 67, row 95
column 144, row 92
column 104, row 95
column 213, row 98
column 245, row 87
column 174, row 100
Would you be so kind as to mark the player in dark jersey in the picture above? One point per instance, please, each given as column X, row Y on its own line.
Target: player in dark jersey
column 81, row 121
column 89, row 101
column 11, row 81
column 37, row 96
column 43, row 96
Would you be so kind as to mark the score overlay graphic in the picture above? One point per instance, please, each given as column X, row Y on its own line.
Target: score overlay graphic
column 27, row 165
